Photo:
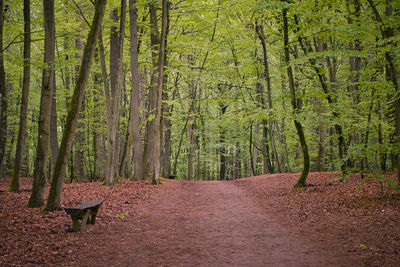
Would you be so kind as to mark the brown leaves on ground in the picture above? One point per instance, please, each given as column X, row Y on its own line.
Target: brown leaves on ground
column 352, row 220
column 33, row 237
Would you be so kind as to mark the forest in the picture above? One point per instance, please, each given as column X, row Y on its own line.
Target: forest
column 100, row 99
column 197, row 90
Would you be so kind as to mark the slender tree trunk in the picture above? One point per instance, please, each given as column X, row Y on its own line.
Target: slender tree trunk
column 283, row 135
column 221, row 150
column 261, row 36
column 116, row 56
column 40, row 171
column 3, row 97
column 14, row 186
column 306, row 158
column 166, row 169
column 222, row 169
column 9, row 164
column 267, row 163
column 191, row 140
column 254, row 149
column 53, row 201
column 79, row 136
column 156, row 129
column 53, row 126
column 191, row 125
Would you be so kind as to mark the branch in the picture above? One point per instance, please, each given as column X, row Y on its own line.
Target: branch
column 16, row 37
column 81, row 13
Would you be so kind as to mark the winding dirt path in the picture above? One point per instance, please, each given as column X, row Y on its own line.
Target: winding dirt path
column 199, row 224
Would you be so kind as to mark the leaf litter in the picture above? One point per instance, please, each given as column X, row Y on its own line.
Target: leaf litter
column 351, row 220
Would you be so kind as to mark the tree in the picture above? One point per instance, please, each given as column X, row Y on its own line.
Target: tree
column 392, row 73
column 116, row 55
column 3, row 97
column 161, row 58
column 14, row 186
column 40, row 172
column 299, row 127
column 134, row 116
column 267, row 132
column 53, row 201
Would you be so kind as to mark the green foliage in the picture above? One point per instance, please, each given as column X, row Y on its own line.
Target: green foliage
column 215, row 60
column 121, row 215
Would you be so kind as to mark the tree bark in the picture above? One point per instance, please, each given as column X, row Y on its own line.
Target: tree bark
column 191, row 124
column 53, row 201
column 166, row 168
column 161, row 59
column 149, row 138
column 116, row 56
column 53, row 126
column 14, row 186
column 79, row 136
column 3, row 97
column 300, row 132
column 40, row 171
column 134, row 116
column 222, row 151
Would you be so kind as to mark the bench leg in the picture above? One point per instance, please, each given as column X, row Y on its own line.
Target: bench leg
column 93, row 218
column 84, row 221
column 75, row 223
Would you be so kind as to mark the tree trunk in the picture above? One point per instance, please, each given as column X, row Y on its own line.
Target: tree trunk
column 191, row 142
column 134, row 116
column 253, row 148
column 165, row 127
column 261, row 36
column 149, row 138
column 3, row 97
column 116, row 56
column 222, row 151
column 191, row 125
column 40, row 171
column 283, row 128
column 53, row 126
column 14, row 186
column 53, row 201
column 161, row 59
column 306, row 158
column 79, row 136
column 166, row 168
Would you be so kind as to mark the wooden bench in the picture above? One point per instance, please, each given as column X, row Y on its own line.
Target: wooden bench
column 82, row 213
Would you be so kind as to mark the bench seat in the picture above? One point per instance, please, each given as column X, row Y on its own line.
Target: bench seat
column 82, row 212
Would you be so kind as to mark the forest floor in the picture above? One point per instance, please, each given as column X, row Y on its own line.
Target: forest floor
column 254, row 221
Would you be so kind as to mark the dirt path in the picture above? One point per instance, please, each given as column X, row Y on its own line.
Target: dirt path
column 199, row 224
